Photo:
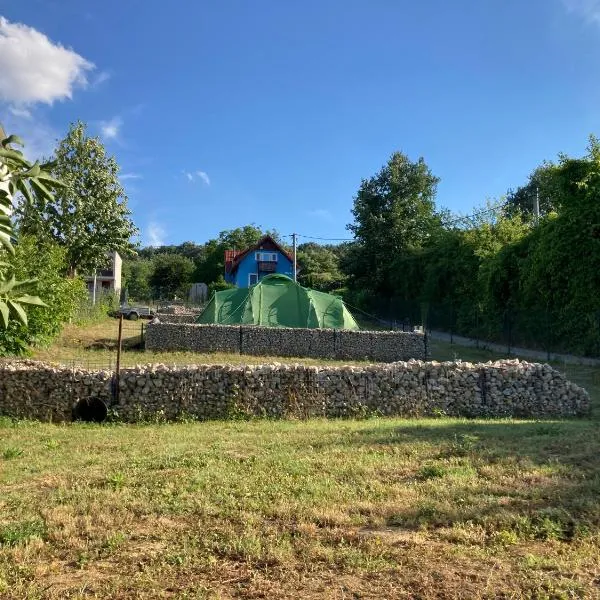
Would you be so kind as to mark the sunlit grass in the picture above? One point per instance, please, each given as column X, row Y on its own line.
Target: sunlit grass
column 433, row 508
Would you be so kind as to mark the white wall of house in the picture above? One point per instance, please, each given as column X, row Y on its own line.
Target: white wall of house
column 109, row 280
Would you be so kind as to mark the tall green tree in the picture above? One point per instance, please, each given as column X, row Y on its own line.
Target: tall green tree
column 394, row 214
column 89, row 215
column 171, row 276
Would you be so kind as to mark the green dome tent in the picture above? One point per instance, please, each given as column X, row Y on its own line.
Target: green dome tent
column 277, row 301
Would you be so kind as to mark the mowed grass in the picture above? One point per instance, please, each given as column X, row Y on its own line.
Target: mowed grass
column 379, row 508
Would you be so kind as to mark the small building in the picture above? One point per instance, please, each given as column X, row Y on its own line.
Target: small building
column 247, row 267
column 108, row 280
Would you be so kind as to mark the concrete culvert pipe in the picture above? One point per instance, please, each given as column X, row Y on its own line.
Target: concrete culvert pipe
column 90, row 410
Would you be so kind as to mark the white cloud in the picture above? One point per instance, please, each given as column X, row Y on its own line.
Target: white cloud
column 35, row 69
column 203, row 176
column 19, row 111
column 102, row 77
column 110, row 129
column 126, row 176
column 155, row 235
column 588, row 9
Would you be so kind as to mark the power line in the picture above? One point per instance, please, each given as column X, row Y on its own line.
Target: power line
column 488, row 211
column 310, row 237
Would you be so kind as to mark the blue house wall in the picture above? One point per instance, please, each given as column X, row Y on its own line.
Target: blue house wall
column 249, row 265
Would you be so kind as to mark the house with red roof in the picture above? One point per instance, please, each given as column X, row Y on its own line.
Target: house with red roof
column 245, row 268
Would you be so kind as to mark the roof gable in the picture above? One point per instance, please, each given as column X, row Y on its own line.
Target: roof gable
column 265, row 243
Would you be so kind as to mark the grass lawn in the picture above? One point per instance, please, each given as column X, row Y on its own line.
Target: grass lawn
column 380, row 508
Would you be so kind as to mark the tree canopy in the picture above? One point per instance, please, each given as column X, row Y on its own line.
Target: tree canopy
column 394, row 213
column 89, row 216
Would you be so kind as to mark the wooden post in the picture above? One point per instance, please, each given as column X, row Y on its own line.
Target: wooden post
column 118, row 368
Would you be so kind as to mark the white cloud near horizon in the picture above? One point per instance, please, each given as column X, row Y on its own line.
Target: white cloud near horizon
column 155, row 235
column 34, row 69
column 589, row 10
column 191, row 177
column 110, row 129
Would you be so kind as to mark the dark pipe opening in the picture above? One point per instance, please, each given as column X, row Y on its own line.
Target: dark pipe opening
column 90, row 410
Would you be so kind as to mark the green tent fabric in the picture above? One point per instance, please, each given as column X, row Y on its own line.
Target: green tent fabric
column 277, row 301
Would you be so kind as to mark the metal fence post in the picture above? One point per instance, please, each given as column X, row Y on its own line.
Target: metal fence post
column 118, row 369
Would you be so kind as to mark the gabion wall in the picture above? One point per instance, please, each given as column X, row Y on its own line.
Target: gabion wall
column 379, row 346
column 502, row 389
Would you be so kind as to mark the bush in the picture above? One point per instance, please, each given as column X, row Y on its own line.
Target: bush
column 46, row 263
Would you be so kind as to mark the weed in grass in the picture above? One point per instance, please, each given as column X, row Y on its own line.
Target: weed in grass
column 116, row 480
column 83, row 558
column 463, row 444
column 12, row 452
column 504, row 537
column 113, row 542
column 18, row 533
column 431, row 472
column 51, row 444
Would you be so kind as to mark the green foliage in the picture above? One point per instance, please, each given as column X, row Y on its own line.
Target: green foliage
column 171, row 276
column 136, row 275
column 44, row 263
column 319, row 267
column 504, row 275
column 218, row 286
column 17, row 175
column 89, row 215
column 394, row 213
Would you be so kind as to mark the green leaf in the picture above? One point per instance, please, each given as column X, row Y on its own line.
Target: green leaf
column 6, row 286
column 24, row 189
column 48, row 166
column 40, row 188
column 44, row 176
column 14, row 155
column 18, row 309
column 33, row 300
column 6, row 241
column 12, row 139
column 4, row 313
column 33, row 172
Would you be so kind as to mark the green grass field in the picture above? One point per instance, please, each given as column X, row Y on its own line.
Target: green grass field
column 379, row 508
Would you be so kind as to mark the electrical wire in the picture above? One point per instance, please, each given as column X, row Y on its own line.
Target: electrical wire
column 471, row 217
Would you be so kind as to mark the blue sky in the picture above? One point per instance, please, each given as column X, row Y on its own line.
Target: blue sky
column 223, row 113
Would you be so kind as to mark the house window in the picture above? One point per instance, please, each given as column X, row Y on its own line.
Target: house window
column 252, row 279
column 266, row 256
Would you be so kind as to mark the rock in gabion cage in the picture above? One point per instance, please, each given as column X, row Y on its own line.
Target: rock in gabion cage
column 508, row 388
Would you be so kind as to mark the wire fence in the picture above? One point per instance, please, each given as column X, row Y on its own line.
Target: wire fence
column 543, row 330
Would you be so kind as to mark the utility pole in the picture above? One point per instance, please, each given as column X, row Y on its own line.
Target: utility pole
column 295, row 264
column 536, row 206
column 94, row 290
